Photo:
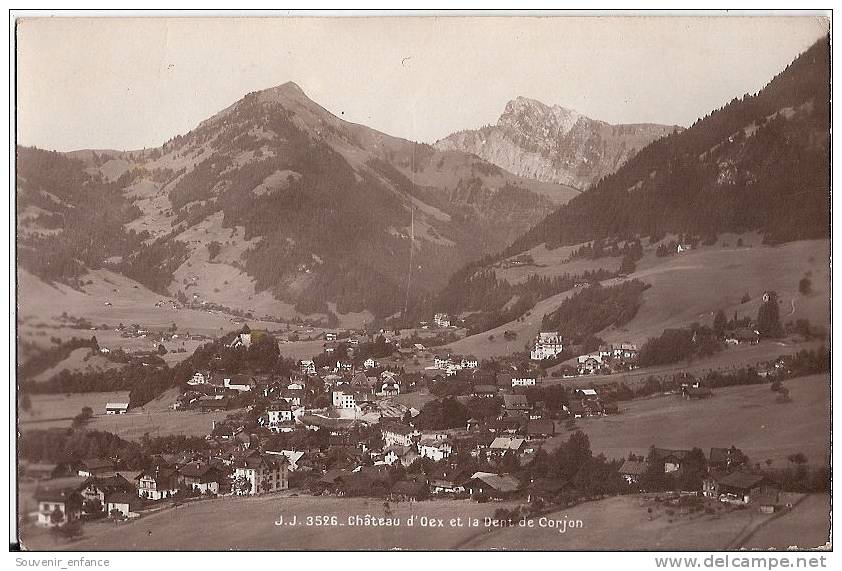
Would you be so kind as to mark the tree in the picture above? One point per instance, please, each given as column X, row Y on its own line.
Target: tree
column 93, row 508
column 805, row 286
column 720, row 323
column 214, row 248
column 768, row 316
column 627, row 266
column 161, row 349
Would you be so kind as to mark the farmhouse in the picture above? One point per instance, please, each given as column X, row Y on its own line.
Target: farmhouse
column 515, row 405
column 632, row 470
column 740, row 486
column 547, row 345
column 441, row 320
column 504, row 444
column 123, row 503
column 369, row 363
column 208, row 404
column 544, row 489
column 58, row 506
column 448, row 479
column 197, row 379
column 94, row 467
column 726, row 458
column 493, row 485
column 406, row 455
column 484, row 391
column 116, row 408
column 307, row 366
column 672, row 459
column 742, row 336
column 470, row 362
column 201, row 476
column 95, row 488
column 157, row 484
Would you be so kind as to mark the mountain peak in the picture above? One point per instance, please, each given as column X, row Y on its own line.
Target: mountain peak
column 527, row 112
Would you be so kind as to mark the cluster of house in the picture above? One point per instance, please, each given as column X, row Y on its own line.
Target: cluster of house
column 608, row 359
column 452, row 364
column 101, row 490
column 728, row 477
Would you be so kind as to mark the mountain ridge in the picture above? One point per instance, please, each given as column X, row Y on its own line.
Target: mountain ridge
column 302, row 205
column 554, row 143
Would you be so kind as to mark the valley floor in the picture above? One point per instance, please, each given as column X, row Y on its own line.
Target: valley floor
column 623, row 522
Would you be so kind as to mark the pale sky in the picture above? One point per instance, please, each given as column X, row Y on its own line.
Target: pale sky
column 129, row 83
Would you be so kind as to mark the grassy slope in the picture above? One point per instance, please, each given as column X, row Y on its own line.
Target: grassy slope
column 747, row 417
column 685, row 288
column 248, row 523
column 623, row 523
column 614, row 523
column 806, row 526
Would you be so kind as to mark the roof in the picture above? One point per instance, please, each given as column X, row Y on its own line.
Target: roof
column 54, row 494
column 485, row 389
column 723, row 455
column 121, row 498
column 501, row 483
column 633, row 467
column 741, row 480
column 742, row 334
column 515, row 402
column 588, row 392
column 197, row 470
column 94, row 463
column 506, row 443
column 396, row 428
column 116, row 405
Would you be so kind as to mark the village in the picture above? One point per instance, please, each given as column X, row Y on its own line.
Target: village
column 345, row 424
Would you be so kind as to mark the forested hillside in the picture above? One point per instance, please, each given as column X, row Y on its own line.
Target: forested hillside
column 761, row 162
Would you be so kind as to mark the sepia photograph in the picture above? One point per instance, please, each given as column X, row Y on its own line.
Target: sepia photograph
column 514, row 281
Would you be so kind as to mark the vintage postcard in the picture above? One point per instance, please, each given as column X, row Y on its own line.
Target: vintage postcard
column 430, row 282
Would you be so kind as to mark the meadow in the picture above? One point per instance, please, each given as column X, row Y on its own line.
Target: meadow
column 685, row 288
column 615, row 523
column 749, row 417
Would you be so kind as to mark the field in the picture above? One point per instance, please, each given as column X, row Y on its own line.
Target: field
column 686, row 288
column 156, row 418
column 623, row 522
column 805, row 526
column 249, row 523
column 730, row 358
column 747, row 417
column 57, row 410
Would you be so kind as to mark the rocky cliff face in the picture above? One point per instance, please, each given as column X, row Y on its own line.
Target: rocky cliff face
column 554, row 144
